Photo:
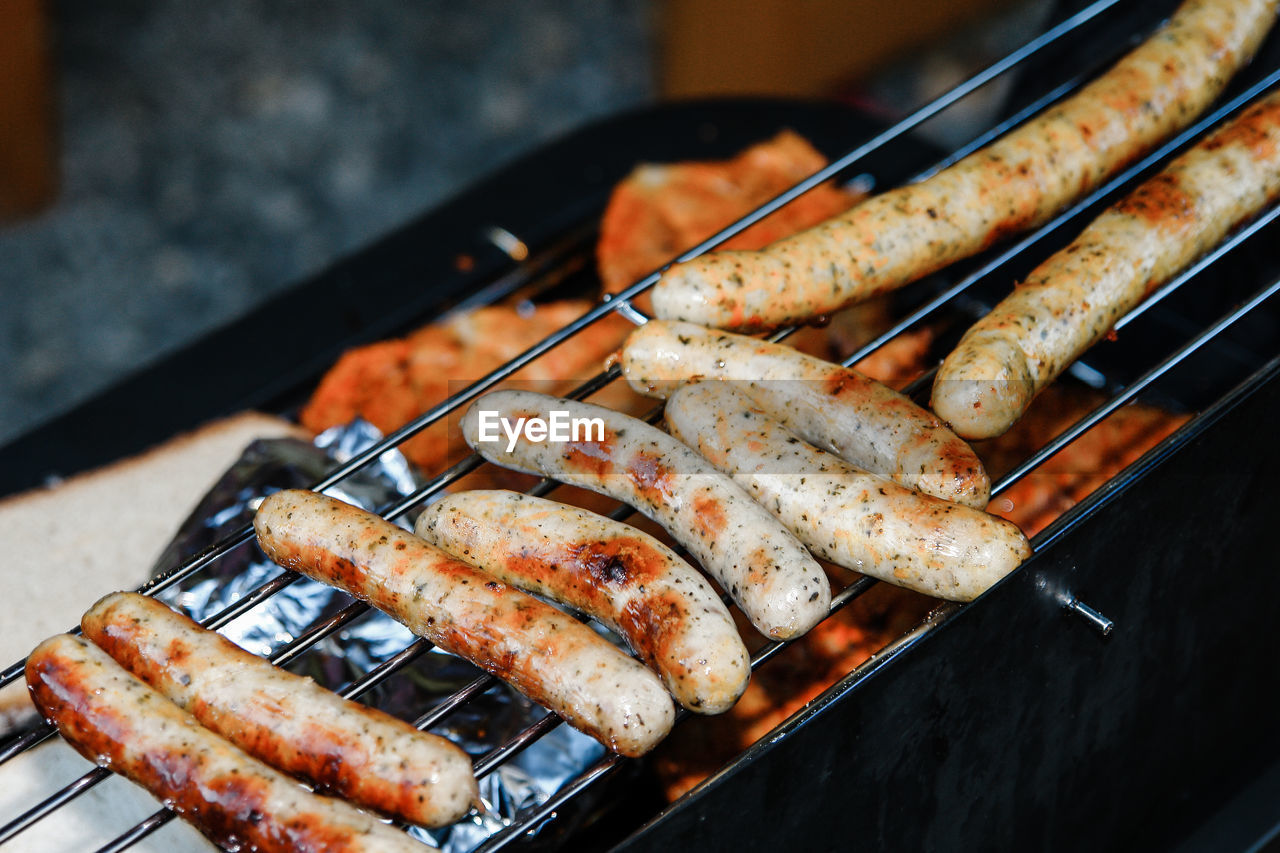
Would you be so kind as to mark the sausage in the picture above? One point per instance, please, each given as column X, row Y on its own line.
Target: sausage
column 664, row 609
column 552, row 658
column 762, row 566
column 836, row 408
column 844, row 514
column 1070, row 302
column 116, row 721
column 285, row 720
column 1015, row 183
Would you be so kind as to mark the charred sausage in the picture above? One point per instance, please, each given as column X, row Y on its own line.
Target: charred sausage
column 552, row 658
column 762, row 566
column 285, row 720
column 116, row 721
column 664, row 609
column 1015, row 183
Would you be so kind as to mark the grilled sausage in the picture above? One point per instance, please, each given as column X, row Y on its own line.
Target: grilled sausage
column 1070, row 302
column 837, row 408
column 116, row 721
column 547, row 655
column 1015, row 183
column 846, row 515
column 657, row 602
column 766, row 571
column 286, row 720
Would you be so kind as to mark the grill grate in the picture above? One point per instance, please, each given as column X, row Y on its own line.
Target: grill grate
column 948, row 298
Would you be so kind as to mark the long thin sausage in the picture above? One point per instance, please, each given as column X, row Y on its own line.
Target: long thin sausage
column 664, row 609
column 1070, row 302
column 116, row 721
column 837, row 408
column 286, row 720
column 547, row 655
column 762, row 566
column 846, row 515
column 1013, row 184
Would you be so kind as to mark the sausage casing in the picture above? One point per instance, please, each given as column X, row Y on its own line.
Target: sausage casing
column 664, row 609
column 848, row 516
column 860, row 420
column 116, row 721
column 1070, row 302
column 1015, row 183
column 762, row 566
column 547, row 655
column 285, row 720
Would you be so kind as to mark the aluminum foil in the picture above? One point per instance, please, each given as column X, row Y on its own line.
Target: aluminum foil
column 523, row 782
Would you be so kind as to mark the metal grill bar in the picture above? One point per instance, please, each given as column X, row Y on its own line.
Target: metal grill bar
column 600, row 770
column 139, row 832
column 52, row 802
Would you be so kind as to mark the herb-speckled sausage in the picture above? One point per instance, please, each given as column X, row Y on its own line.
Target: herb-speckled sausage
column 657, row 602
column 837, row 408
column 286, row 720
column 552, row 658
column 764, row 568
column 1012, row 184
column 115, row 720
column 846, row 515
column 1070, row 302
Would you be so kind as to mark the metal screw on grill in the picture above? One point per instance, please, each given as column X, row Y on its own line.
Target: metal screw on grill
column 624, row 308
column 509, row 243
column 1070, row 602
column 1092, row 616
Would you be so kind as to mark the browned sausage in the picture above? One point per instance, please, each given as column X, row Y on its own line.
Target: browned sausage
column 116, row 721
column 286, row 720
column 552, row 658
column 657, row 602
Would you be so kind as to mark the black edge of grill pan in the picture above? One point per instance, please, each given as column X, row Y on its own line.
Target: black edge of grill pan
column 271, row 357
column 1014, row 725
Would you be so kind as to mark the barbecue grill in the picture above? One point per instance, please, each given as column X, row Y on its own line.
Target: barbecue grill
column 1117, row 678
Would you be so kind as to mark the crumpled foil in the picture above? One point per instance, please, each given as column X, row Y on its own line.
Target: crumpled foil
column 522, row 783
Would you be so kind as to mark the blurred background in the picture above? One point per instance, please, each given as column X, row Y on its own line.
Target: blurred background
column 165, row 165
